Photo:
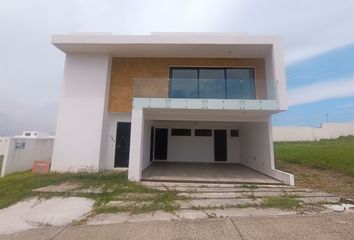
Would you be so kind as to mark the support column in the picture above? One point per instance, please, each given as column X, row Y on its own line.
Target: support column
column 79, row 142
column 136, row 145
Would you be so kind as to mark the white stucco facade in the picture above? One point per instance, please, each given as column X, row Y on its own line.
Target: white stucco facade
column 83, row 123
column 86, row 136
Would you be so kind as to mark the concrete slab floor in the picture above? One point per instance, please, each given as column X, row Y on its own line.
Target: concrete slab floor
column 205, row 172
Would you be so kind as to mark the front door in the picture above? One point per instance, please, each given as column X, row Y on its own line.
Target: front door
column 220, row 145
column 152, row 144
column 121, row 158
column 161, row 136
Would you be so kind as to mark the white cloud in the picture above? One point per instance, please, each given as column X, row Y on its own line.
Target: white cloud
column 307, row 27
column 31, row 69
column 337, row 88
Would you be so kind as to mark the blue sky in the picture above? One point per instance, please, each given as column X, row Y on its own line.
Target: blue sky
column 332, row 71
column 317, row 35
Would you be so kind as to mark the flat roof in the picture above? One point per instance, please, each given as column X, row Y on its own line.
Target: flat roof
column 223, row 45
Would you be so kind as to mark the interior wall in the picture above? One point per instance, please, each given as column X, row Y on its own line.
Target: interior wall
column 255, row 145
column 257, row 150
column 197, row 148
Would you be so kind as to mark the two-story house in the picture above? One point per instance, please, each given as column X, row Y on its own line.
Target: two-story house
column 174, row 106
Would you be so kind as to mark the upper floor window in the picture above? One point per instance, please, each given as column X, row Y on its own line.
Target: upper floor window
column 213, row 83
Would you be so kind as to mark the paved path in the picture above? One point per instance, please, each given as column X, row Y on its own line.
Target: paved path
column 321, row 227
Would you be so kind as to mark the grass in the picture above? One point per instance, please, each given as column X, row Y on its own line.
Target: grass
column 249, row 186
column 282, row 202
column 326, row 165
column 1, row 160
column 164, row 201
column 113, row 186
column 334, row 154
column 18, row 186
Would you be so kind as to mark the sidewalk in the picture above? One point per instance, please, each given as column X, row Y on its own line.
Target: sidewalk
column 321, row 227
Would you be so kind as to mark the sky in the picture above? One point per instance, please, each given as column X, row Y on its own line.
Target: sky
column 318, row 41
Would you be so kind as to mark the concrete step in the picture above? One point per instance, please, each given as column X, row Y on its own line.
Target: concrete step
column 242, row 202
column 221, row 195
column 231, row 195
column 230, row 189
column 320, row 199
column 218, row 203
column 209, row 185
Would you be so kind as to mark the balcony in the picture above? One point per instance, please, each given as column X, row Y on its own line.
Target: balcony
column 160, row 93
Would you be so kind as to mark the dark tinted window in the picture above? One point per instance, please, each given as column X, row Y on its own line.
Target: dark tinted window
column 202, row 132
column 184, row 83
column 240, row 83
column 181, row 132
column 234, row 133
column 212, row 83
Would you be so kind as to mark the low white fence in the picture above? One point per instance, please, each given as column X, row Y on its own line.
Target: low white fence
column 20, row 153
column 326, row 131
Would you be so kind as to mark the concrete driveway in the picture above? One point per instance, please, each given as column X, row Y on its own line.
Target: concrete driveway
column 329, row 226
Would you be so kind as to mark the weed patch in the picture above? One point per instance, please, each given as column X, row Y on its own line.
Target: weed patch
column 282, row 202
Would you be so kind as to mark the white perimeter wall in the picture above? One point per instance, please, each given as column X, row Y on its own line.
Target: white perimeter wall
column 83, row 123
column 22, row 159
column 2, row 145
column 327, row 131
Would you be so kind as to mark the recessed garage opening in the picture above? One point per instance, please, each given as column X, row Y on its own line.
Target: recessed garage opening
column 205, row 152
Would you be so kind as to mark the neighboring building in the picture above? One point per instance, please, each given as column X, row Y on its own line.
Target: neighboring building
column 128, row 101
column 33, row 134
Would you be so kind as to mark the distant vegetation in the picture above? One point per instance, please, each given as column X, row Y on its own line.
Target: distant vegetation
column 334, row 154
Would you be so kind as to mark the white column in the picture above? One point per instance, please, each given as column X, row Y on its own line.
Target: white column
column 136, row 145
column 279, row 75
column 82, row 110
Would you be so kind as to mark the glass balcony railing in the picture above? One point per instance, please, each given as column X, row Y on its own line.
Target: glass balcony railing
column 204, row 89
